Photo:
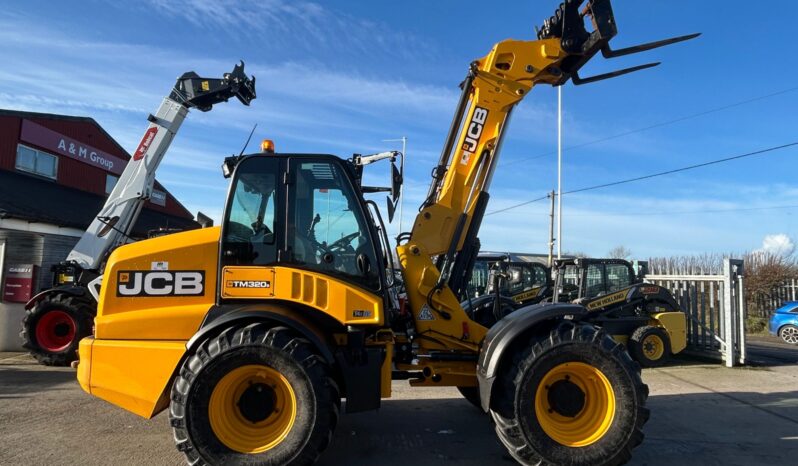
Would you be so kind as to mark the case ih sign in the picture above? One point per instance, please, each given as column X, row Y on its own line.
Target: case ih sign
column 60, row 144
column 19, row 280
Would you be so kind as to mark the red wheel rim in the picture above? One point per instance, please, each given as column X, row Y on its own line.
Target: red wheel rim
column 55, row 331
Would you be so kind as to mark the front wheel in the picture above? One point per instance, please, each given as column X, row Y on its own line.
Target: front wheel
column 254, row 395
column 650, row 346
column 789, row 334
column 573, row 397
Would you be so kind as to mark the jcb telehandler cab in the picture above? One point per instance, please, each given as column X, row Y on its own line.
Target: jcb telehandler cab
column 251, row 333
column 643, row 316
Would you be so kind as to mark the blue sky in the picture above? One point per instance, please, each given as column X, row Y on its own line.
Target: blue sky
column 339, row 77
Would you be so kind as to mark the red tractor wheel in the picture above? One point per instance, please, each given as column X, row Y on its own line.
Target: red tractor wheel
column 53, row 328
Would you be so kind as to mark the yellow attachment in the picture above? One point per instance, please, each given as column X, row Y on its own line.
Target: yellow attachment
column 267, row 146
column 653, row 347
column 592, row 421
column 675, row 323
column 243, row 432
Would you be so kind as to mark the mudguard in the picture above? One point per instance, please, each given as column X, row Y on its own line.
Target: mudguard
column 222, row 316
column 501, row 336
column 72, row 290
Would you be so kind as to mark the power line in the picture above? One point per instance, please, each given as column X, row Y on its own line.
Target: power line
column 682, row 169
column 657, row 125
column 517, row 205
column 679, row 212
column 654, row 175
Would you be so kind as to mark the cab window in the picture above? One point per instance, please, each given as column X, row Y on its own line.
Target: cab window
column 618, row 277
column 479, row 278
column 595, row 281
column 250, row 236
column 327, row 230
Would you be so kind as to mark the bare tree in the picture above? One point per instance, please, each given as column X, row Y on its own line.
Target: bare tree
column 619, row 252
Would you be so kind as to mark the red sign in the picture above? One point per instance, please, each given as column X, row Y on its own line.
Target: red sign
column 19, row 280
column 144, row 145
column 60, row 144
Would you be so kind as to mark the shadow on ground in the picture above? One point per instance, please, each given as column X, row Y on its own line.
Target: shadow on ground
column 27, row 382
column 736, row 428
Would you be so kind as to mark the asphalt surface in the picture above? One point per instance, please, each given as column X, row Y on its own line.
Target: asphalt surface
column 702, row 414
column 770, row 351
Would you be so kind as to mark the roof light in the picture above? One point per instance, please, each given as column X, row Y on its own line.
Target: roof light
column 267, row 146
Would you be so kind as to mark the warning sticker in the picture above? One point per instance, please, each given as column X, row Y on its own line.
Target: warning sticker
column 425, row 313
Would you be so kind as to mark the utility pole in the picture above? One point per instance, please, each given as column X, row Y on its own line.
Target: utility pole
column 551, row 228
column 559, row 172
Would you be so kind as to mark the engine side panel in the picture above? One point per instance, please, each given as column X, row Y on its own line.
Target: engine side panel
column 159, row 289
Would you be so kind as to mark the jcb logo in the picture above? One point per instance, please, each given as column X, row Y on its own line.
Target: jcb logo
column 161, row 283
column 473, row 133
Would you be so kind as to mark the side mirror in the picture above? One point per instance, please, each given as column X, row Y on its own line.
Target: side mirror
column 204, row 220
column 396, row 182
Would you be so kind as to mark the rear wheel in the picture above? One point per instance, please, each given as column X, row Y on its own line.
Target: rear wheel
column 789, row 334
column 53, row 328
column 650, row 346
column 254, row 395
column 571, row 398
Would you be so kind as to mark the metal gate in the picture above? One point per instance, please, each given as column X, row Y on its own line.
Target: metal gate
column 715, row 309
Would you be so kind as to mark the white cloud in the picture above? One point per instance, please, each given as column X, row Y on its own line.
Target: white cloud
column 277, row 24
column 778, row 244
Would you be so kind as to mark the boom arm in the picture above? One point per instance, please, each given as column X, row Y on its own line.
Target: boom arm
column 448, row 222
column 112, row 226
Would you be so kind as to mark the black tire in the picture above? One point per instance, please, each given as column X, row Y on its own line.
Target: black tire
column 513, row 399
column 58, row 351
column 789, row 334
column 317, row 396
column 650, row 356
column 471, row 394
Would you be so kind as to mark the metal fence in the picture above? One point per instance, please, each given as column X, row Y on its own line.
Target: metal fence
column 715, row 309
column 763, row 304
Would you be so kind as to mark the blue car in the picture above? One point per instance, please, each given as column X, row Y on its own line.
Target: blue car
column 784, row 323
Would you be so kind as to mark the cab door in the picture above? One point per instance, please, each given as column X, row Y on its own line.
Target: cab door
column 327, row 227
column 252, row 232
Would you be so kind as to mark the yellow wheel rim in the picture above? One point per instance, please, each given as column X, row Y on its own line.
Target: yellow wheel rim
column 653, row 347
column 575, row 404
column 252, row 409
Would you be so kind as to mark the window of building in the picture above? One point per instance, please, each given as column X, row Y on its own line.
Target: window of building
column 110, row 182
column 37, row 162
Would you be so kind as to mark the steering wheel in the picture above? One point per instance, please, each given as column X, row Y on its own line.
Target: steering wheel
column 344, row 242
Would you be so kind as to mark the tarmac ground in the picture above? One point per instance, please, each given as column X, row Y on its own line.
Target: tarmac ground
column 701, row 414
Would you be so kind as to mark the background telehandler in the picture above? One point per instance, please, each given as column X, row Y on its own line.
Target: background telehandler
column 250, row 333
column 518, row 282
column 56, row 319
column 643, row 316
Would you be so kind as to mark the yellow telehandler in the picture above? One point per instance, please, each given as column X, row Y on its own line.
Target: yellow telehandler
column 251, row 333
